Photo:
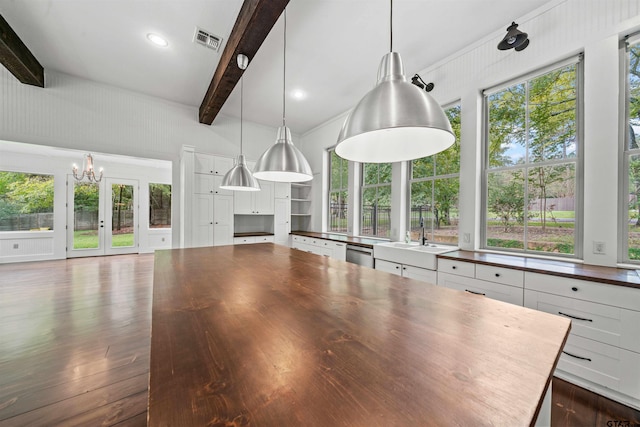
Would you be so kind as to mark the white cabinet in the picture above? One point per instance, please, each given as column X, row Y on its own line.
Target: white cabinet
column 212, row 165
column 323, row 247
column 255, row 202
column 603, row 349
column 282, row 224
column 247, row 240
column 498, row 283
column 202, row 220
column 222, row 220
column 282, row 190
column 408, row 271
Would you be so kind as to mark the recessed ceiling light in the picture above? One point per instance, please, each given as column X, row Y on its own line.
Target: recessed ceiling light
column 299, row 94
column 157, row 40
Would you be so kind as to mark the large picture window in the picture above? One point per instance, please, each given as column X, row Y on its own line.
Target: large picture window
column 338, row 193
column 631, row 202
column 376, row 199
column 435, row 186
column 26, row 201
column 532, row 163
column 159, row 205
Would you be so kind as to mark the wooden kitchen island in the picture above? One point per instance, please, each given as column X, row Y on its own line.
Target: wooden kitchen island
column 264, row 335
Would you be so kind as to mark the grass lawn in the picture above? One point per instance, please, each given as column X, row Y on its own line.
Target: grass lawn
column 88, row 239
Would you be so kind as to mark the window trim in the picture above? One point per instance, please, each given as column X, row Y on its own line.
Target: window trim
column 624, row 155
column 363, row 187
column 578, row 61
column 344, row 188
column 433, row 177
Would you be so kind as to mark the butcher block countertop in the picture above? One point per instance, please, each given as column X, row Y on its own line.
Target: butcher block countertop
column 264, row 335
column 571, row 270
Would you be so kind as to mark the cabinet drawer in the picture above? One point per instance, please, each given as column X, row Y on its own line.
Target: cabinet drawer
column 417, row 273
column 497, row 291
column 603, row 364
column 599, row 322
column 456, row 267
column 506, row 276
column 244, row 240
column 264, row 239
column 619, row 296
column 388, row 267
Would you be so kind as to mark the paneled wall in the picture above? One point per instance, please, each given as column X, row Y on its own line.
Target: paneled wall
column 558, row 30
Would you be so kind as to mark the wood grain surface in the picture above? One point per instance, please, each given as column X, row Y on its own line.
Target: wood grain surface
column 264, row 335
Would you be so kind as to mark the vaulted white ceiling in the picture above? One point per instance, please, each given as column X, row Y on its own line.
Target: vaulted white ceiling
column 333, row 46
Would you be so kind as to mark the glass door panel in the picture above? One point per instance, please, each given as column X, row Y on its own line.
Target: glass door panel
column 85, row 219
column 93, row 208
column 122, row 219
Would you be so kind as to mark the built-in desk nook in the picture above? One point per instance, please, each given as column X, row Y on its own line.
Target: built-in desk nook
column 266, row 335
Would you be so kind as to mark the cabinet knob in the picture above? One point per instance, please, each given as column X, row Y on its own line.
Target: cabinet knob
column 404, row 268
column 497, row 274
column 210, row 223
column 210, row 191
column 454, row 267
column 574, row 289
column 210, row 171
column 397, row 266
column 216, row 222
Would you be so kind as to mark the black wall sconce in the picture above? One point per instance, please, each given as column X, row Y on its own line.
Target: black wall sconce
column 514, row 39
column 417, row 80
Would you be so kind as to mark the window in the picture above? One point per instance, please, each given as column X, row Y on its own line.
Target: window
column 26, row 201
column 435, row 185
column 532, row 163
column 631, row 209
column 159, row 205
column 376, row 199
column 338, row 193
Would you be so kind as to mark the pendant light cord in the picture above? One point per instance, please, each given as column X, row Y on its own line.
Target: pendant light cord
column 241, row 108
column 284, row 70
column 391, row 27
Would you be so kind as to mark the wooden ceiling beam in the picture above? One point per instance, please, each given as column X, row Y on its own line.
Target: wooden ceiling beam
column 255, row 20
column 17, row 58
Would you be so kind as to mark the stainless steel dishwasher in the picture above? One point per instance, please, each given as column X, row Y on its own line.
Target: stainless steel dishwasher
column 360, row 255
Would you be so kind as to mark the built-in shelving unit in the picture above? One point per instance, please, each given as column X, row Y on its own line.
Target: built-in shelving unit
column 300, row 206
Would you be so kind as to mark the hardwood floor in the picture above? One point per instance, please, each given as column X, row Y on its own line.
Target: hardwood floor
column 74, row 341
column 74, row 348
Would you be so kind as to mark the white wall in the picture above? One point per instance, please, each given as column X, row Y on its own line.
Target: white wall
column 83, row 115
column 557, row 31
column 39, row 245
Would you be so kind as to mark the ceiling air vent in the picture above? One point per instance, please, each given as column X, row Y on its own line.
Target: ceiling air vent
column 207, row 39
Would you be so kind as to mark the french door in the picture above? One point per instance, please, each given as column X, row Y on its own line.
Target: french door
column 102, row 217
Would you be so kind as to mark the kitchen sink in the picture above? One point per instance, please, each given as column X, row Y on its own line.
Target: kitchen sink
column 411, row 253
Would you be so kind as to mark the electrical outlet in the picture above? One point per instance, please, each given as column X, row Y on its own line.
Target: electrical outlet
column 466, row 237
column 599, row 248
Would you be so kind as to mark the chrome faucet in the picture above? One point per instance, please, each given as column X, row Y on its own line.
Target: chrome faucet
column 423, row 239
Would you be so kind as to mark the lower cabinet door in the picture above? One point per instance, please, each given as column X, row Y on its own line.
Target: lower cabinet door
column 389, row 267
column 417, row 273
column 602, row 364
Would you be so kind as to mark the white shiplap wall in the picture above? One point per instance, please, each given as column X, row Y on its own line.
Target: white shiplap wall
column 558, row 30
column 79, row 114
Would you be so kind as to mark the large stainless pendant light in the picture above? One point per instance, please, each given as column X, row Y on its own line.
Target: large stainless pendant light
column 283, row 161
column 395, row 121
column 239, row 177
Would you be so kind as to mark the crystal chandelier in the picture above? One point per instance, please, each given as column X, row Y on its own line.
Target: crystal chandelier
column 87, row 170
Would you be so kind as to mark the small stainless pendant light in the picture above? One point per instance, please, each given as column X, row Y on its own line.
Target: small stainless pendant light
column 283, row 161
column 395, row 121
column 239, row 177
